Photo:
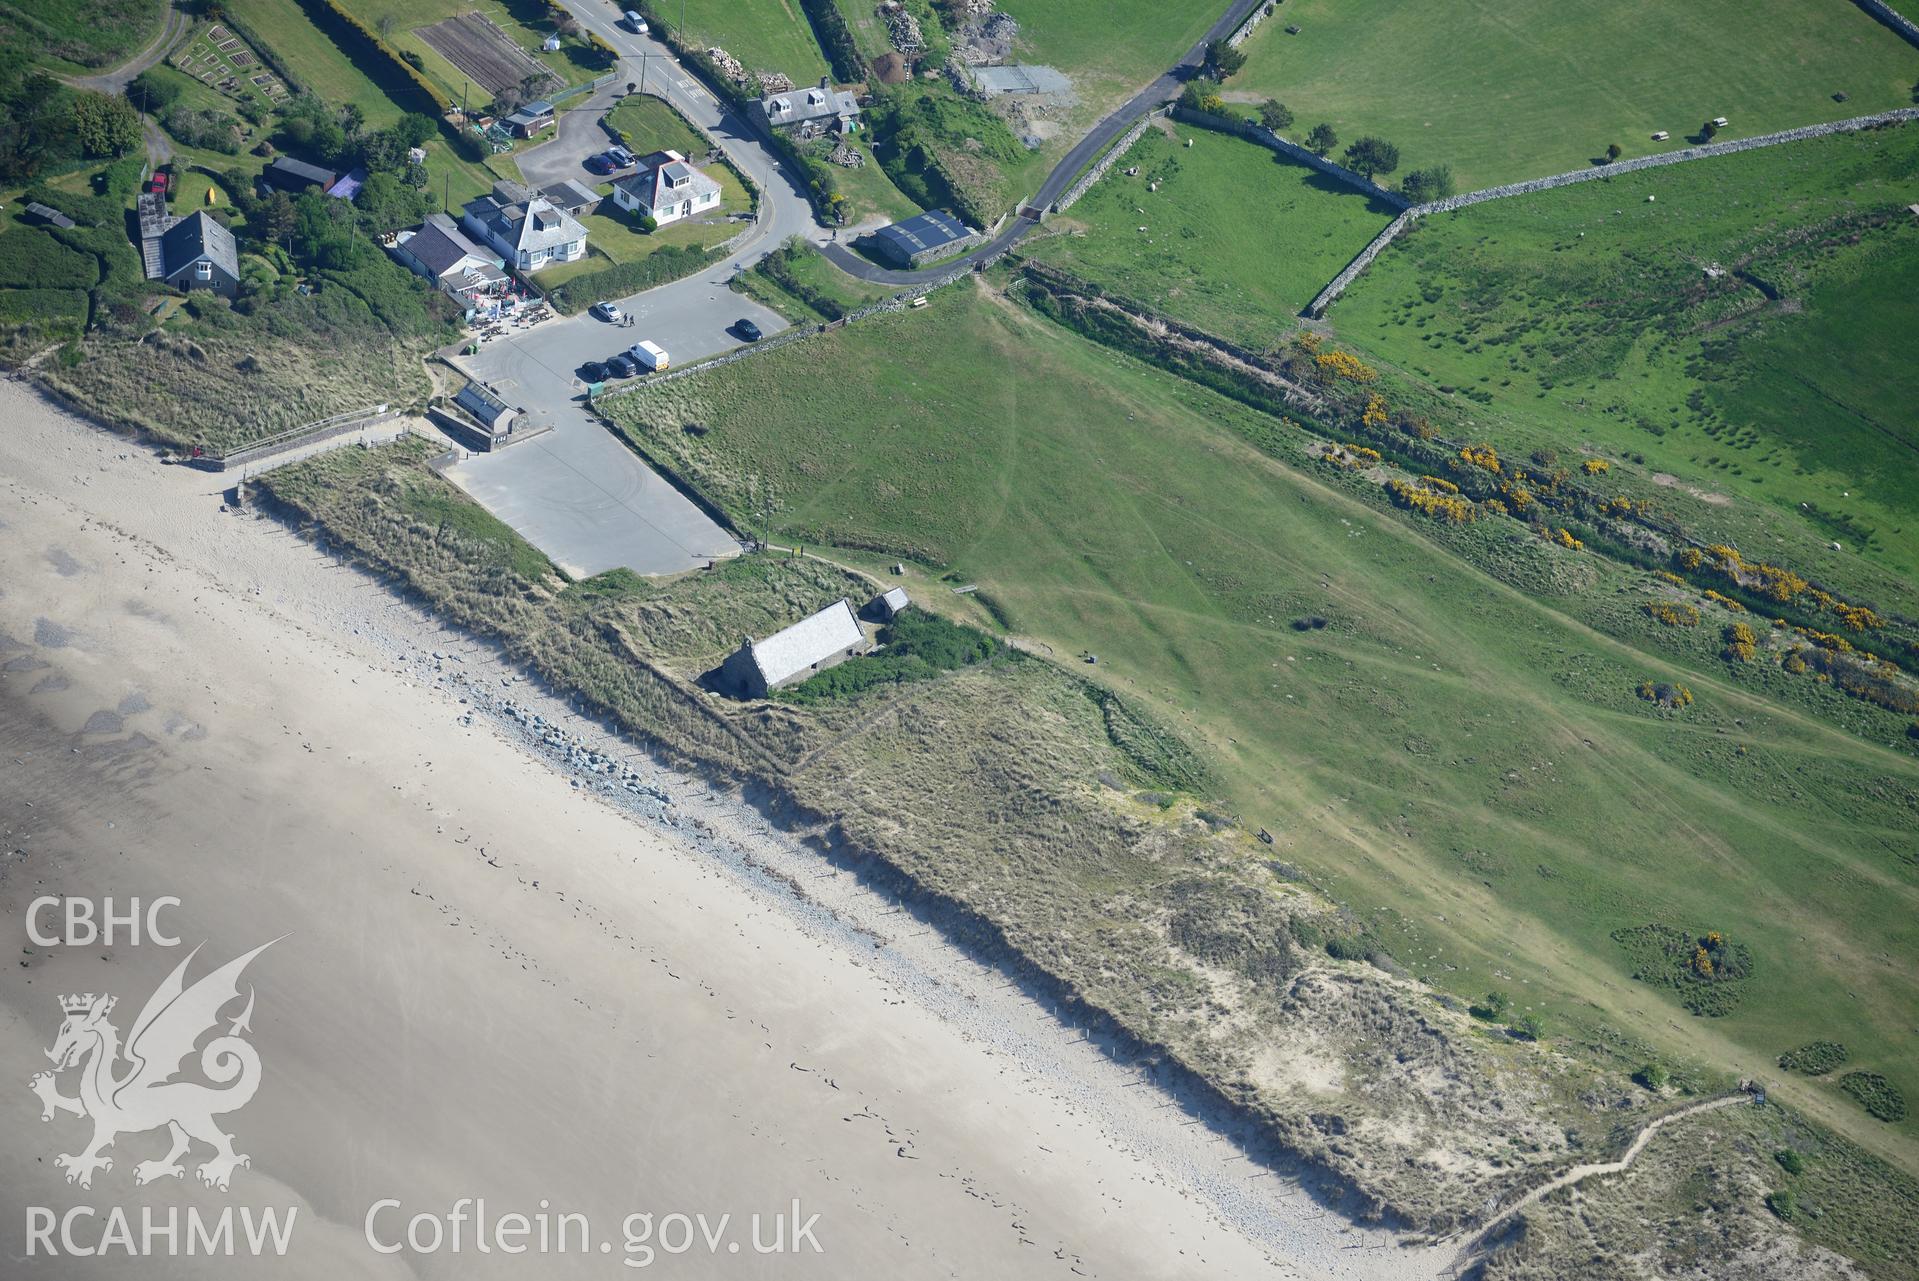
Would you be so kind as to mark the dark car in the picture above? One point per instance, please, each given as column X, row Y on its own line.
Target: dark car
column 749, row 331
column 622, row 366
column 594, row 371
column 599, row 163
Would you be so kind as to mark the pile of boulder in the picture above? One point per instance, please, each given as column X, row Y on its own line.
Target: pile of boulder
column 728, row 65
column 986, row 39
column 775, row 82
column 902, row 27
column 846, row 157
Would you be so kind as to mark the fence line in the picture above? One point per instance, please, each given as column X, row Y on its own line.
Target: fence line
column 295, row 438
column 1704, row 151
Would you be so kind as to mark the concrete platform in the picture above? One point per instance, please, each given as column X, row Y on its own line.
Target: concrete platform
column 591, row 505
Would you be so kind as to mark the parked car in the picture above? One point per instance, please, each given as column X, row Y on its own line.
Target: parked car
column 621, row 157
column 748, row 330
column 634, row 23
column 600, row 163
column 594, row 371
column 622, row 366
column 608, row 312
column 161, row 182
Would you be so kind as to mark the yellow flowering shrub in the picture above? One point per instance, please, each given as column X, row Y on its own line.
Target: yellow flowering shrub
column 1482, row 456
column 1343, row 364
column 1672, row 613
column 1447, row 507
column 1595, row 467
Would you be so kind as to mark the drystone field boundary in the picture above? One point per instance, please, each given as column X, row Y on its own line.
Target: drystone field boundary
column 1291, row 150
column 1085, row 184
column 1898, row 21
column 1251, row 24
column 1333, row 290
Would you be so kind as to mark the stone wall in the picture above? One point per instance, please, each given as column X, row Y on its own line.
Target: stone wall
column 1291, row 150
column 1252, row 22
column 1892, row 18
column 1125, row 144
column 1346, row 277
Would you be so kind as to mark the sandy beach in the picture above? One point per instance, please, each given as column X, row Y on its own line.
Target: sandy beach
column 516, row 960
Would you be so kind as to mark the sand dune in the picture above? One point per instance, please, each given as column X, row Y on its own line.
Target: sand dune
column 496, row 983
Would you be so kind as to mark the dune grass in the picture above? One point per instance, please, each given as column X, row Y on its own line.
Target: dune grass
column 1508, row 89
column 1447, row 747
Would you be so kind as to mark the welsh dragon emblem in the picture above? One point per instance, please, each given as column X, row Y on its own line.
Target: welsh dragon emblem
column 129, row 1089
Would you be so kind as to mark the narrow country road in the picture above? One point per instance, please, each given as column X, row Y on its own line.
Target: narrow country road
column 1101, row 136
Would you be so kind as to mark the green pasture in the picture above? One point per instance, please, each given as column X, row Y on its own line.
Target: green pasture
column 1508, row 89
column 650, row 124
column 1468, row 766
column 1632, row 316
column 313, row 59
column 1236, row 240
column 89, row 35
column 765, row 35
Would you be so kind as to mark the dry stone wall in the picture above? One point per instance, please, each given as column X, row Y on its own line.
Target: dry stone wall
column 1105, row 162
column 1892, row 18
column 1359, row 264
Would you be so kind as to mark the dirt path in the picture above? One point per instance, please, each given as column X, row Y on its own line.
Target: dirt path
column 1580, row 1172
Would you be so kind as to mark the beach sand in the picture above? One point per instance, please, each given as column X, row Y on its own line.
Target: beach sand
column 497, row 977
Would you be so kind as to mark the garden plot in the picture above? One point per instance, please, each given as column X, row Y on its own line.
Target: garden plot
column 482, row 52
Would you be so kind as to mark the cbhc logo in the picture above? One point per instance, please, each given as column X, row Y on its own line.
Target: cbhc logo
column 84, row 924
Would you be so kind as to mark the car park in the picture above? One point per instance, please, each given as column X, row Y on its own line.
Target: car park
column 609, row 312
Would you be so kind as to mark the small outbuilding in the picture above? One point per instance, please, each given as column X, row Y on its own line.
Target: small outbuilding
column 532, row 119
column 807, row 648
column 47, row 214
column 920, row 239
column 296, row 177
column 889, row 604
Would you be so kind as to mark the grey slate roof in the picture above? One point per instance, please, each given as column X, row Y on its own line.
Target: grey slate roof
column 814, row 102
column 786, row 654
column 894, row 600
column 921, row 232
column 571, row 195
column 528, row 223
column 439, row 245
column 48, row 214
column 301, row 170
column 195, row 237
column 665, row 177
column 487, row 409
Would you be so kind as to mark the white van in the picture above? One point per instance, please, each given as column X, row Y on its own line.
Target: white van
column 649, row 356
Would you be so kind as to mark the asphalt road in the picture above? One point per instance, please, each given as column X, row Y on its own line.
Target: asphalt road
column 577, row 493
column 1101, row 136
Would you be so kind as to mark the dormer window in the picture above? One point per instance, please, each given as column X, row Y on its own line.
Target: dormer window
column 203, row 270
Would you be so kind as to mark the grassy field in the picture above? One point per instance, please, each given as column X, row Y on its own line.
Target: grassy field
column 1584, row 316
column 1447, row 747
column 1237, row 240
column 313, row 59
column 812, row 275
column 1509, row 89
column 649, row 124
column 765, row 35
column 1110, row 48
column 89, row 34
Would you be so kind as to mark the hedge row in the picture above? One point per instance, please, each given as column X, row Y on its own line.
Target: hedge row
column 273, row 60
column 829, row 26
column 657, row 268
column 371, row 42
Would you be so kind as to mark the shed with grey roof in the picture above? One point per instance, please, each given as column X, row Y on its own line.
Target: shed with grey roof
column 805, row 649
column 922, row 238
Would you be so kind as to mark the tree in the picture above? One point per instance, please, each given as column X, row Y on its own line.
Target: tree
column 1371, row 156
column 1223, row 60
column 1322, row 139
column 271, row 220
column 1528, row 1027
column 1614, row 151
column 387, row 204
column 1202, row 95
column 352, row 119
column 104, row 126
column 152, row 92
column 1274, row 116
column 1423, row 185
column 1653, row 1076
column 1708, row 131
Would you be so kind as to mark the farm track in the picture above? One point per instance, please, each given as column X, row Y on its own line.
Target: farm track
column 116, row 80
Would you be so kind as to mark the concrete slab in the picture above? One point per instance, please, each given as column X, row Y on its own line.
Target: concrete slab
column 591, row 505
